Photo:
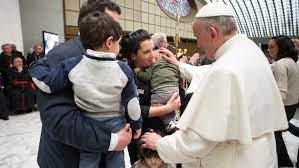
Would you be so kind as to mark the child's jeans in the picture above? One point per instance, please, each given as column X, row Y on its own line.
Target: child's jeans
column 112, row 159
column 161, row 96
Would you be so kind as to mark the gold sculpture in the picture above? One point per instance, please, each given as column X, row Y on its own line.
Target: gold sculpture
column 176, row 37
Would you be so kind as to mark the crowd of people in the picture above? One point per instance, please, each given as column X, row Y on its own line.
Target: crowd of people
column 17, row 87
column 103, row 91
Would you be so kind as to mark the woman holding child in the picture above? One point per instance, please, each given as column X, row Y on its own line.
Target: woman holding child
column 138, row 48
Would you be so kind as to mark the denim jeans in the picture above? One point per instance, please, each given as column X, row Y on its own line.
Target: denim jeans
column 111, row 159
column 161, row 96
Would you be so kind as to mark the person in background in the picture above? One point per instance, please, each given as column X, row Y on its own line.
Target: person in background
column 16, row 53
column 3, row 101
column 194, row 59
column 286, row 74
column 206, row 60
column 296, row 44
column 36, row 54
column 5, row 61
column 20, row 88
column 231, row 117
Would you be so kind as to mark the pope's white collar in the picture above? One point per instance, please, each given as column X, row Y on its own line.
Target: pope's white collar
column 226, row 45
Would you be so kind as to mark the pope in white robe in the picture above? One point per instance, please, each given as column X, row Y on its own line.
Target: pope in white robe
column 232, row 115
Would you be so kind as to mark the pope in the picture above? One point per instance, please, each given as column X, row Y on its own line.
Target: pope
column 230, row 119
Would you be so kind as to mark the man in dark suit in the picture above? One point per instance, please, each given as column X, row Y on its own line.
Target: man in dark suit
column 64, row 129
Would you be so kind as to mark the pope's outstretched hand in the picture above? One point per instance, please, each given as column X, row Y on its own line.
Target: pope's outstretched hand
column 149, row 140
column 169, row 56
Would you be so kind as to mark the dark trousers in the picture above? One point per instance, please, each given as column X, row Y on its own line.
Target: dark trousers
column 282, row 153
column 3, row 106
column 54, row 154
column 295, row 131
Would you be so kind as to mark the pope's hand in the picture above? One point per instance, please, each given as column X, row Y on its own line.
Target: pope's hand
column 149, row 140
column 124, row 138
column 169, row 56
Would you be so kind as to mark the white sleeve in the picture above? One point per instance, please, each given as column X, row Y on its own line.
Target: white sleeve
column 113, row 141
column 189, row 71
column 281, row 76
column 184, row 147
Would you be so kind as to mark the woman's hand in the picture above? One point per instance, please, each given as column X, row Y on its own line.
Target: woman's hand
column 169, row 56
column 174, row 102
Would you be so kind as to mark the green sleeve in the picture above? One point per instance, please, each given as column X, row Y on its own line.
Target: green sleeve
column 146, row 74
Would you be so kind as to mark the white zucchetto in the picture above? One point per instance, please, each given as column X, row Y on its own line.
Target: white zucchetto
column 215, row 9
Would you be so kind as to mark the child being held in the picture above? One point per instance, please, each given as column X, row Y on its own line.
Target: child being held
column 104, row 88
column 164, row 81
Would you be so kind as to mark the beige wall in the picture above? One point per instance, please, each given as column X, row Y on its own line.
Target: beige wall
column 38, row 16
column 136, row 14
column 10, row 29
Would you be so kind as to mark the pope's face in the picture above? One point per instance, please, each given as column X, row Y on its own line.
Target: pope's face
column 204, row 38
column 272, row 48
column 144, row 56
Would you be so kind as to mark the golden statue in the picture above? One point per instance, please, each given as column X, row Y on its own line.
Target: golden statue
column 176, row 37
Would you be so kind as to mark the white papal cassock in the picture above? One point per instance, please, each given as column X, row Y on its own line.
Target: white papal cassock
column 230, row 120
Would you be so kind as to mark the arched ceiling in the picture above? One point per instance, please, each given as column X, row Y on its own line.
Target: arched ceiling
column 266, row 18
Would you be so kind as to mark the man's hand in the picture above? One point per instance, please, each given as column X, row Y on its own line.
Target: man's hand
column 124, row 138
column 137, row 134
column 149, row 140
column 169, row 56
column 174, row 102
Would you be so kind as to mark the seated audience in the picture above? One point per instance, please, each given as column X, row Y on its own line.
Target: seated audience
column 6, row 58
column 20, row 89
column 15, row 52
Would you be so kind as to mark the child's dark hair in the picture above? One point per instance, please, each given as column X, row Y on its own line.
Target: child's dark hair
column 96, row 27
column 148, row 153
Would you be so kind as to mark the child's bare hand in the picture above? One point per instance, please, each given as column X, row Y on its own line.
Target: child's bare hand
column 137, row 134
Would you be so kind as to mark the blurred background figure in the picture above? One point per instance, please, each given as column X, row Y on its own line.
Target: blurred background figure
column 195, row 59
column 36, row 54
column 15, row 52
column 286, row 74
column 3, row 102
column 206, row 60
